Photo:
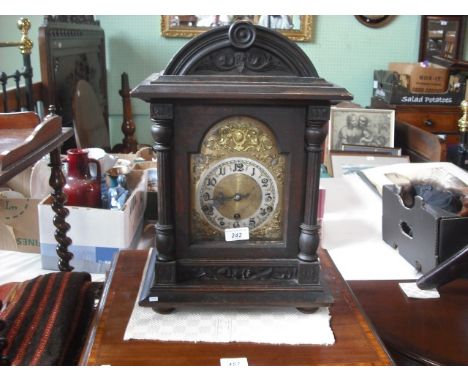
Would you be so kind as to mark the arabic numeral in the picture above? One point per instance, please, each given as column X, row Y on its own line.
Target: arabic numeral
column 238, row 167
column 208, row 210
column 211, row 182
column 236, row 235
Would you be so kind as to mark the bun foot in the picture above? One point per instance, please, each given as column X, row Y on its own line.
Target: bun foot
column 163, row 310
column 307, row 310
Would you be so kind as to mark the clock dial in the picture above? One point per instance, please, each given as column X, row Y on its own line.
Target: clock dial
column 237, row 192
column 237, row 180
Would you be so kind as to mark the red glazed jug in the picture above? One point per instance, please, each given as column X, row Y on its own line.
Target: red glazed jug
column 81, row 189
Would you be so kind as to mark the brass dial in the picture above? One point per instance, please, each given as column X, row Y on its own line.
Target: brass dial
column 237, row 192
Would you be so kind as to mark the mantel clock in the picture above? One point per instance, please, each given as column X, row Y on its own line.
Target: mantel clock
column 239, row 117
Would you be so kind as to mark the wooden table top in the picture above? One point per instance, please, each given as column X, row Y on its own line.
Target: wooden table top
column 355, row 341
column 431, row 331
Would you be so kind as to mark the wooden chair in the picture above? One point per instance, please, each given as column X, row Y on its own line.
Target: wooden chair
column 418, row 144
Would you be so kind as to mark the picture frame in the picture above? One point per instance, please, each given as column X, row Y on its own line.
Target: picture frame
column 371, row 149
column 442, row 36
column 358, row 126
column 344, row 163
column 297, row 28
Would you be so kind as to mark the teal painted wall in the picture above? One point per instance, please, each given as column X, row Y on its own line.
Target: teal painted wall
column 343, row 51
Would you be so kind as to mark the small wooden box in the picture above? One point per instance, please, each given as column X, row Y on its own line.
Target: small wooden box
column 424, row 235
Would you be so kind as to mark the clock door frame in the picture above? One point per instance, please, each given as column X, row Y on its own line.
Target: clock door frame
column 288, row 124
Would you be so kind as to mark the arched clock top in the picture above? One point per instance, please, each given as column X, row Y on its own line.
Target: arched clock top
column 241, row 49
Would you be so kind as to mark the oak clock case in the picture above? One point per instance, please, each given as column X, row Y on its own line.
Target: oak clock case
column 238, row 118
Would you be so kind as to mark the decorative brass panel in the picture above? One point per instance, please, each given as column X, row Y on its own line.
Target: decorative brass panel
column 251, row 143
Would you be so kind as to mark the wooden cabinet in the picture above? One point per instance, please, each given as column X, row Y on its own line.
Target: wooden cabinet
column 436, row 119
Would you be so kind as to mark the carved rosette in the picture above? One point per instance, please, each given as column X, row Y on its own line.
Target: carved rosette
column 238, row 136
column 242, row 35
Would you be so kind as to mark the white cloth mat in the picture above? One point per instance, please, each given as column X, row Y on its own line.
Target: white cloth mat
column 273, row 326
column 216, row 324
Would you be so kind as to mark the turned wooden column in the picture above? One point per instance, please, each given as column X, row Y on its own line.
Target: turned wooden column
column 316, row 131
column 129, row 143
column 57, row 182
column 162, row 132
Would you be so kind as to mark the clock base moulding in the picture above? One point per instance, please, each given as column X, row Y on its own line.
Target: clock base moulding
column 291, row 283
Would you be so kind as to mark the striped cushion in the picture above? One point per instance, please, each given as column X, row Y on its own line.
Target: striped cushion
column 43, row 317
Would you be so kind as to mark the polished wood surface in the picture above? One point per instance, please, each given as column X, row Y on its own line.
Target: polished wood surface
column 431, row 332
column 355, row 341
column 435, row 119
column 22, row 133
column 23, row 143
column 11, row 100
column 418, row 144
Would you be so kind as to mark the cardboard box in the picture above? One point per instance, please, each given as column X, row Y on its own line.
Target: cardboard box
column 97, row 234
column 422, row 79
column 19, row 229
column 388, row 88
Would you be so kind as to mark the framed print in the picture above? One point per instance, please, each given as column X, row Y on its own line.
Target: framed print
column 366, row 127
column 295, row 27
column 442, row 36
column 371, row 149
column 343, row 163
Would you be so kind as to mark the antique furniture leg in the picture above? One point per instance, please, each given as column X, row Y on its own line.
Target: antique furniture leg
column 57, row 181
column 129, row 143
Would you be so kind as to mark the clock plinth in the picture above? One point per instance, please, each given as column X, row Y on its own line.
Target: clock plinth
column 242, row 284
column 239, row 119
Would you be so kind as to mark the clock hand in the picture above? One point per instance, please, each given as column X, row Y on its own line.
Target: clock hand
column 221, row 198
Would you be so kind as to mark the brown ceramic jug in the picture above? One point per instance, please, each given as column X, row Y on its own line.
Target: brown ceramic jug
column 81, row 189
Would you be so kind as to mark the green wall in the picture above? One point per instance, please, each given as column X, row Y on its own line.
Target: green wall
column 343, row 51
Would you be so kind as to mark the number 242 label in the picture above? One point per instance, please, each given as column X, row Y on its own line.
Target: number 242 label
column 234, row 234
